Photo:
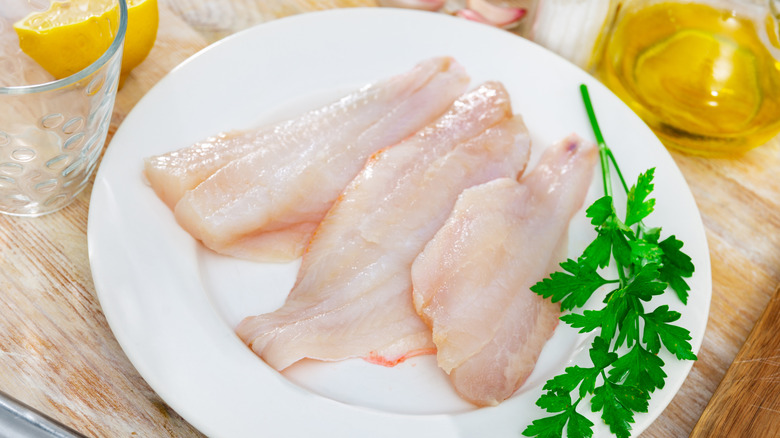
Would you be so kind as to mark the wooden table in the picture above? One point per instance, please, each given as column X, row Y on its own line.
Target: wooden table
column 58, row 355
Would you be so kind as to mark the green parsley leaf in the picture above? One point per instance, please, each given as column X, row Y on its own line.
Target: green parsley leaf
column 639, row 207
column 598, row 253
column 572, row 289
column 621, row 249
column 607, row 399
column 676, row 266
column 600, row 211
column 579, row 426
column 630, row 397
column 614, row 312
column 674, row 338
column 639, row 368
column 548, row 427
column 651, row 235
column 600, row 354
column 645, row 284
column 570, row 379
column 628, row 327
column 645, row 251
column 626, row 367
column 555, row 400
column 588, row 321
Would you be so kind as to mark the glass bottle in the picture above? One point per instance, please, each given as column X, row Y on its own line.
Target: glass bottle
column 703, row 74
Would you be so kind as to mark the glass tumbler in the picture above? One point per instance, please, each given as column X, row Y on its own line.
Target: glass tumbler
column 703, row 74
column 51, row 131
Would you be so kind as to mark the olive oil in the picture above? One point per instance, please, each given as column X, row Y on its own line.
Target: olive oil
column 700, row 77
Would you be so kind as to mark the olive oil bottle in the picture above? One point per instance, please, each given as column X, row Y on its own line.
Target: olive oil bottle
column 703, row 78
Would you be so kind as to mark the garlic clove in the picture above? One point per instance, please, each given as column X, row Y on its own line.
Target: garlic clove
column 489, row 13
column 425, row 5
column 472, row 15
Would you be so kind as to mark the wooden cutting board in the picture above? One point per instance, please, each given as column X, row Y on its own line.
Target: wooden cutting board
column 747, row 401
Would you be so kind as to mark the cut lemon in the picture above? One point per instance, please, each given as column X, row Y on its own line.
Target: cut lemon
column 141, row 32
column 71, row 35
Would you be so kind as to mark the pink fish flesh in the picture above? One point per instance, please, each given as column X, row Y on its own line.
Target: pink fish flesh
column 174, row 173
column 471, row 284
column 265, row 205
column 352, row 297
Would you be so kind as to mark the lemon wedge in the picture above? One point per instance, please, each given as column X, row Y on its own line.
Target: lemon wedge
column 142, row 21
column 71, row 35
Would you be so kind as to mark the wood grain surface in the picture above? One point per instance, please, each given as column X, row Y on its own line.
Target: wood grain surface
column 739, row 200
column 58, row 355
column 753, row 379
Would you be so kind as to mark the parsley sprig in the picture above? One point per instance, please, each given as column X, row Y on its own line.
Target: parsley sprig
column 624, row 353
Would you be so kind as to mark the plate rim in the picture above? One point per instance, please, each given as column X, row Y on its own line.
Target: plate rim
column 97, row 265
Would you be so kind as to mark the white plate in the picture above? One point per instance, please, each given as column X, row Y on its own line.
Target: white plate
column 172, row 304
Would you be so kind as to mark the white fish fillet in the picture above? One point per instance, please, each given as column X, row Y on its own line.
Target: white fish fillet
column 352, row 297
column 472, row 282
column 173, row 173
column 265, row 205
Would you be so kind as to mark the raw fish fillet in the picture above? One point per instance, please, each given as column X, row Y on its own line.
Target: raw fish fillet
column 265, row 205
column 352, row 297
column 173, row 173
column 471, row 284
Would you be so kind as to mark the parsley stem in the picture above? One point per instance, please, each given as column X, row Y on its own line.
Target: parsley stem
column 620, row 382
column 617, row 169
column 622, row 274
column 605, row 156
column 604, row 151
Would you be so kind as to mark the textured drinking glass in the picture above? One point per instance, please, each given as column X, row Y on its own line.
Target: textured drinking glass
column 51, row 133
